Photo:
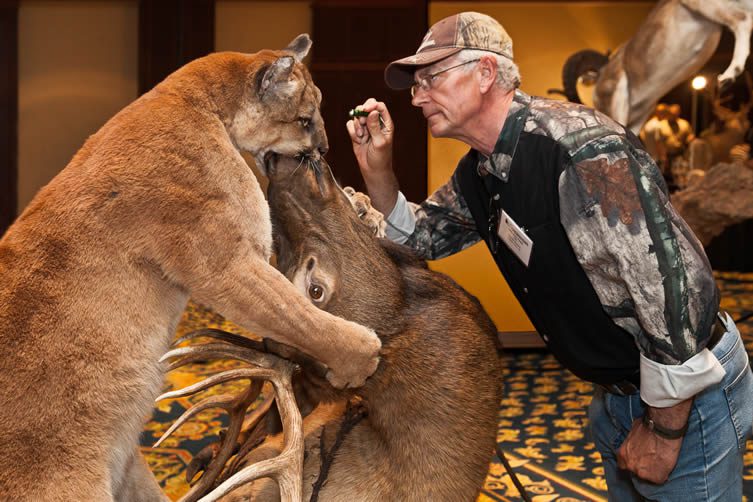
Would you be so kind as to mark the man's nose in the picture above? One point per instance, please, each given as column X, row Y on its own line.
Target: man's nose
column 420, row 97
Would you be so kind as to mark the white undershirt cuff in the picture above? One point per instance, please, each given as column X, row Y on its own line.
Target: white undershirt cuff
column 665, row 385
column 401, row 222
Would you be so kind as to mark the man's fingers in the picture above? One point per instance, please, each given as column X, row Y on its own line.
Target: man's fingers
column 373, row 124
column 621, row 462
column 351, row 127
column 386, row 117
column 358, row 134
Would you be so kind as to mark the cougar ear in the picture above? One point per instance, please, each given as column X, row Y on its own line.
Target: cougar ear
column 300, row 46
column 274, row 78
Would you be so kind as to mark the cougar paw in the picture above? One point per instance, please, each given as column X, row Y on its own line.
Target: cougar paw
column 353, row 371
column 371, row 217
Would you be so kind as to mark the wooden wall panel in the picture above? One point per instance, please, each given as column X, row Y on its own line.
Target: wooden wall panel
column 8, row 112
column 172, row 33
column 353, row 43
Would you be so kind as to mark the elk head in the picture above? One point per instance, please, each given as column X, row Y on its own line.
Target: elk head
column 325, row 250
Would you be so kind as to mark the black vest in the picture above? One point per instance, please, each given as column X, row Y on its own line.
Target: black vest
column 553, row 290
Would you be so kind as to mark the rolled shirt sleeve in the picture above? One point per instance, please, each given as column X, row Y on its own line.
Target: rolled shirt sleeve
column 440, row 226
column 664, row 385
column 401, row 222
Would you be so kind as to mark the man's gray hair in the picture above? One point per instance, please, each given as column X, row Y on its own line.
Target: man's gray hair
column 508, row 74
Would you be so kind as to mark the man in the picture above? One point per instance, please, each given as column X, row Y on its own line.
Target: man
column 652, row 135
column 576, row 216
column 677, row 139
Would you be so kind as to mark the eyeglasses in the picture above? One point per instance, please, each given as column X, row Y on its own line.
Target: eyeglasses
column 427, row 82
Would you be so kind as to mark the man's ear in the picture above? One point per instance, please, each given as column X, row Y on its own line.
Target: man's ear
column 487, row 67
column 273, row 80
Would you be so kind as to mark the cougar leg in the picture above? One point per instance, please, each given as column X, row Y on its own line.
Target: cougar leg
column 139, row 485
column 740, row 23
column 254, row 294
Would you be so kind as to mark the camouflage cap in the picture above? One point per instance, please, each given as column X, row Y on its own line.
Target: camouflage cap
column 467, row 30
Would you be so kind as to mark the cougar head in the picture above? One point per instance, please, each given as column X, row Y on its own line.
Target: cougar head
column 323, row 247
column 280, row 110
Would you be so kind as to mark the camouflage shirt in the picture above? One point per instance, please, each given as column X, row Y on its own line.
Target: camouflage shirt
column 648, row 269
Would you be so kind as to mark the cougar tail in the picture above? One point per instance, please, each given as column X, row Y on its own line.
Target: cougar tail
column 577, row 65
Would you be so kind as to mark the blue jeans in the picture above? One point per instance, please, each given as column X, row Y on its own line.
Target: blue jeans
column 710, row 464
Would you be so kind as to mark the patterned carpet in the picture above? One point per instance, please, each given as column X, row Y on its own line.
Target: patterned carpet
column 542, row 419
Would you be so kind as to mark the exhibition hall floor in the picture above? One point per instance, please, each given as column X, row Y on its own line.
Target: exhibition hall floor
column 542, row 418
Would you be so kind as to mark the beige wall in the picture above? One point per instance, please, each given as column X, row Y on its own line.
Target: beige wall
column 248, row 26
column 544, row 35
column 77, row 67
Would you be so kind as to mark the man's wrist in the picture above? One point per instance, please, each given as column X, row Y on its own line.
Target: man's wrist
column 670, row 422
column 663, row 432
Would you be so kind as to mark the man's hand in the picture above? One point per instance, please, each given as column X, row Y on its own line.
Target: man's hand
column 371, row 139
column 644, row 453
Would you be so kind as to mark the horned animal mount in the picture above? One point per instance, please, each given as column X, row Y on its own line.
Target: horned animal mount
column 673, row 43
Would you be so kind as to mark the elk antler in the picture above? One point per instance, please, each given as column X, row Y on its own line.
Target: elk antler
column 286, row 468
column 728, row 114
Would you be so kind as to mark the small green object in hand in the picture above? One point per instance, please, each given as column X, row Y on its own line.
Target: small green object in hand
column 355, row 112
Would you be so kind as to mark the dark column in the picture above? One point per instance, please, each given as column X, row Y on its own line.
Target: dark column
column 172, row 33
column 353, row 43
column 8, row 112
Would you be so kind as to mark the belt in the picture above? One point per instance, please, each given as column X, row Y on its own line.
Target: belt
column 628, row 388
column 621, row 388
column 717, row 332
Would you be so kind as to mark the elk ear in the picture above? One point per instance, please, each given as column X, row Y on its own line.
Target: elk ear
column 300, row 46
column 273, row 80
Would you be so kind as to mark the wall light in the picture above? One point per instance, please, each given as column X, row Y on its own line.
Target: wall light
column 699, row 83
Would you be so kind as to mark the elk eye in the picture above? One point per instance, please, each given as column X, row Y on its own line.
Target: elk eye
column 304, row 121
column 316, row 292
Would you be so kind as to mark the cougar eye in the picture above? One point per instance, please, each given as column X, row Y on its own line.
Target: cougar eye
column 316, row 292
column 305, row 122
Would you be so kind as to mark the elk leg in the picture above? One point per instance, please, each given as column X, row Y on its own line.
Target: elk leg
column 740, row 23
column 255, row 295
column 742, row 31
column 612, row 94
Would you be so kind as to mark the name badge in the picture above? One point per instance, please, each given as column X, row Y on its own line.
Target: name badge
column 515, row 238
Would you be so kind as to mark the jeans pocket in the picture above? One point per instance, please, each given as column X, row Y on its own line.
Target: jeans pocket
column 618, row 410
column 738, row 394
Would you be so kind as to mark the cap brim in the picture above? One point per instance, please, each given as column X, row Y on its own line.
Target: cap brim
column 399, row 74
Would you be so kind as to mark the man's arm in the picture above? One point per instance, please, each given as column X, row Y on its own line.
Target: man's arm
column 441, row 225
column 371, row 139
column 644, row 261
